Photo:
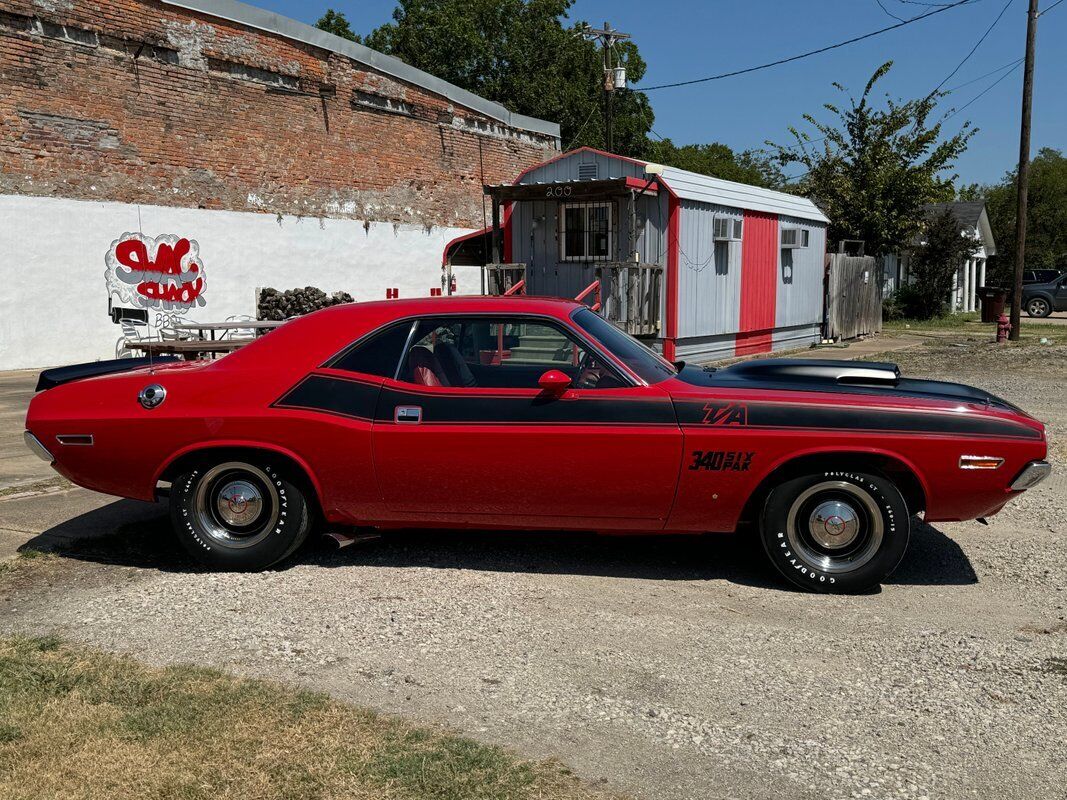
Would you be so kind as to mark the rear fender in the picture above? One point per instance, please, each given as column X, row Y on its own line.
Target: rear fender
column 237, row 444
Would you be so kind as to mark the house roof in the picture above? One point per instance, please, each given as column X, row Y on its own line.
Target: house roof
column 971, row 216
column 705, row 189
column 681, row 183
column 968, row 213
column 268, row 21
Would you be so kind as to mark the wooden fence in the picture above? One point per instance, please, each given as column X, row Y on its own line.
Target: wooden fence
column 853, row 296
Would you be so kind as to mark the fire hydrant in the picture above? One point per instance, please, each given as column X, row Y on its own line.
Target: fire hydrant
column 1003, row 328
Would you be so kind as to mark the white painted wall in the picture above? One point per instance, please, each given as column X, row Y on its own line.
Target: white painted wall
column 53, row 299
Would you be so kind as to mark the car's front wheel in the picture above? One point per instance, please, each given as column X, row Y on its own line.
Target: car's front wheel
column 239, row 515
column 835, row 531
column 1038, row 307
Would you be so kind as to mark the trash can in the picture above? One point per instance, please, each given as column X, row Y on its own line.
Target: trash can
column 993, row 299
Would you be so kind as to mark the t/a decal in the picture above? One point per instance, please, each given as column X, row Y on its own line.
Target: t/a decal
column 722, row 460
column 719, row 413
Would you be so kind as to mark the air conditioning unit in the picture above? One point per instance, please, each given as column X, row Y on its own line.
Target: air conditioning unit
column 726, row 229
column 794, row 237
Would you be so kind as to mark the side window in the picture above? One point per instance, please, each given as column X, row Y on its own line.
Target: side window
column 499, row 353
column 378, row 355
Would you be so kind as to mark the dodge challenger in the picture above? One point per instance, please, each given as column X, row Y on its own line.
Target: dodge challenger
column 512, row 412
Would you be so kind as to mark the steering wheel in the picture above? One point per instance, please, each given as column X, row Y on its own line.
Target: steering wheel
column 589, row 373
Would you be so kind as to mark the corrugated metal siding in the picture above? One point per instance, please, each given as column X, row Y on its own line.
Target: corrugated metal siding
column 566, row 168
column 709, row 277
column 707, row 348
column 759, row 278
column 799, row 296
column 798, row 336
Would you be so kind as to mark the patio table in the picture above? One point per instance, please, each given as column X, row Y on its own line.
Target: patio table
column 189, row 349
column 260, row 326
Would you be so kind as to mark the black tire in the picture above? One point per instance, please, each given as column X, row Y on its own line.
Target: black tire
column 239, row 514
column 1038, row 307
column 835, row 531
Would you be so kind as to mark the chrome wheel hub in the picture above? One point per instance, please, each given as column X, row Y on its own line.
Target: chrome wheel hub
column 236, row 504
column 239, row 503
column 834, row 524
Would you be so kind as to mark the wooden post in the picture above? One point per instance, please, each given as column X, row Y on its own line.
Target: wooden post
column 1024, row 171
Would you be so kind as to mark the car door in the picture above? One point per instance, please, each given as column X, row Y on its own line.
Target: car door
column 1060, row 301
column 465, row 434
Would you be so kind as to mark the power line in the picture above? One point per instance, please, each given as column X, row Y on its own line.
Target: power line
column 881, row 5
column 810, row 52
column 581, row 130
column 976, row 46
column 956, row 111
column 986, row 75
column 1045, row 11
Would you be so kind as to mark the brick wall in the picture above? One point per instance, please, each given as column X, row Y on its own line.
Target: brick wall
column 136, row 101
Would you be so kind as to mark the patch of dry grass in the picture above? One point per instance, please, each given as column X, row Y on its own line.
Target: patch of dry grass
column 79, row 724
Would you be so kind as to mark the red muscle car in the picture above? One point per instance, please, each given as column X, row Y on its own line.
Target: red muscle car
column 506, row 412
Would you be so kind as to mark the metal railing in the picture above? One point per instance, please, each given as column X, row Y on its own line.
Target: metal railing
column 588, row 290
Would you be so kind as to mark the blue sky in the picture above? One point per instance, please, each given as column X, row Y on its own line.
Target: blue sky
column 683, row 39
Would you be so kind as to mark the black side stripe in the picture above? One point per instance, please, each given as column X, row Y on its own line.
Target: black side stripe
column 785, row 416
column 332, row 395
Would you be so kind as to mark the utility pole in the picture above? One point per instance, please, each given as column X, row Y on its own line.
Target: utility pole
column 1023, row 171
column 614, row 77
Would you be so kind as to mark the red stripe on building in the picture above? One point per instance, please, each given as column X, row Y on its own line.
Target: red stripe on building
column 507, row 232
column 674, row 219
column 759, row 283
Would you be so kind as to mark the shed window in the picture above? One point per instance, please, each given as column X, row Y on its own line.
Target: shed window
column 587, row 231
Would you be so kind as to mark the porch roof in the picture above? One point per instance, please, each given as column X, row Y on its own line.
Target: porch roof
column 569, row 190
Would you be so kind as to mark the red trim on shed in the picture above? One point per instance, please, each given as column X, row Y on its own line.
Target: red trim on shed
column 507, row 232
column 759, row 283
column 674, row 220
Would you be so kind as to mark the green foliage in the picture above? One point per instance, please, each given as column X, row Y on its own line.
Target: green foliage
column 336, row 22
column 933, row 263
column 1046, row 216
column 719, row 161
column 522, row 54
column 875, row 166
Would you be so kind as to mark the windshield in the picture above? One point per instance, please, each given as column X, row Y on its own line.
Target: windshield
column 647, row 364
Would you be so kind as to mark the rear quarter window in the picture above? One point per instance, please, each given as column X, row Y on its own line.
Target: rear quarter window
column 379, row 354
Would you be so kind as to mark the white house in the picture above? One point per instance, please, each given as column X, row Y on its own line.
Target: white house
column 974, row 222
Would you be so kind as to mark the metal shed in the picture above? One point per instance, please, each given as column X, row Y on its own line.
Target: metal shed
column 700, row 267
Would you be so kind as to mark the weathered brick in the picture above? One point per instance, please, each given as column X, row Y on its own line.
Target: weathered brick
column 136, row 101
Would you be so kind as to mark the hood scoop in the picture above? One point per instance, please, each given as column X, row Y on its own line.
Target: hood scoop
column 804, row 370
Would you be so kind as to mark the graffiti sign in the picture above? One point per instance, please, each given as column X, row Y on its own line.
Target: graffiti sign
column 164, row 273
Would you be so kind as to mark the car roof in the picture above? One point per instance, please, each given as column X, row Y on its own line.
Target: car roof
column 312, row 339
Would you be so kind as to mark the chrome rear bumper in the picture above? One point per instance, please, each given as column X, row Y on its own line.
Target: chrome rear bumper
column 1032, row 474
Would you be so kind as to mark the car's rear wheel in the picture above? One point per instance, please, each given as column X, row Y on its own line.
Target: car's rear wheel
column 239, row 515
column 835, row 531
column 1038, row 307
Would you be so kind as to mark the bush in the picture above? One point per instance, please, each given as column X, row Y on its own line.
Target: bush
column 296, row 302
column 911, row 302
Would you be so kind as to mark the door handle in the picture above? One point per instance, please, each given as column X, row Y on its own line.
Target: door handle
column 408, row 414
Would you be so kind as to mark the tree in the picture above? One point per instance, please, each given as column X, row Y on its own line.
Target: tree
column 874, row 168
column 719, row 161
column 336, row 23
column 521, row 53
column 942, row 248
column 1046, row 217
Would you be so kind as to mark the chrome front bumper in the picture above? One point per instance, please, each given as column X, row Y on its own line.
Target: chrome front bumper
column 38, row 449
column 1032, row 474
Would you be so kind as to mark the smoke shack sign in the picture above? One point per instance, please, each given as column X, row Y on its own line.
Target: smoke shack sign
column 161, row 274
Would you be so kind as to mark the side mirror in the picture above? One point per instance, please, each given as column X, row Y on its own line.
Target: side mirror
column 554, row 381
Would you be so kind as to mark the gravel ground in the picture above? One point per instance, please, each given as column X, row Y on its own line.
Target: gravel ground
column 670, row 667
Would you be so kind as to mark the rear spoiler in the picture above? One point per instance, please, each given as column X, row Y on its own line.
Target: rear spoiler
column 59, row 375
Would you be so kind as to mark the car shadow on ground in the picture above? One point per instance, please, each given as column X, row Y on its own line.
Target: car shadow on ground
column 145, row 540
